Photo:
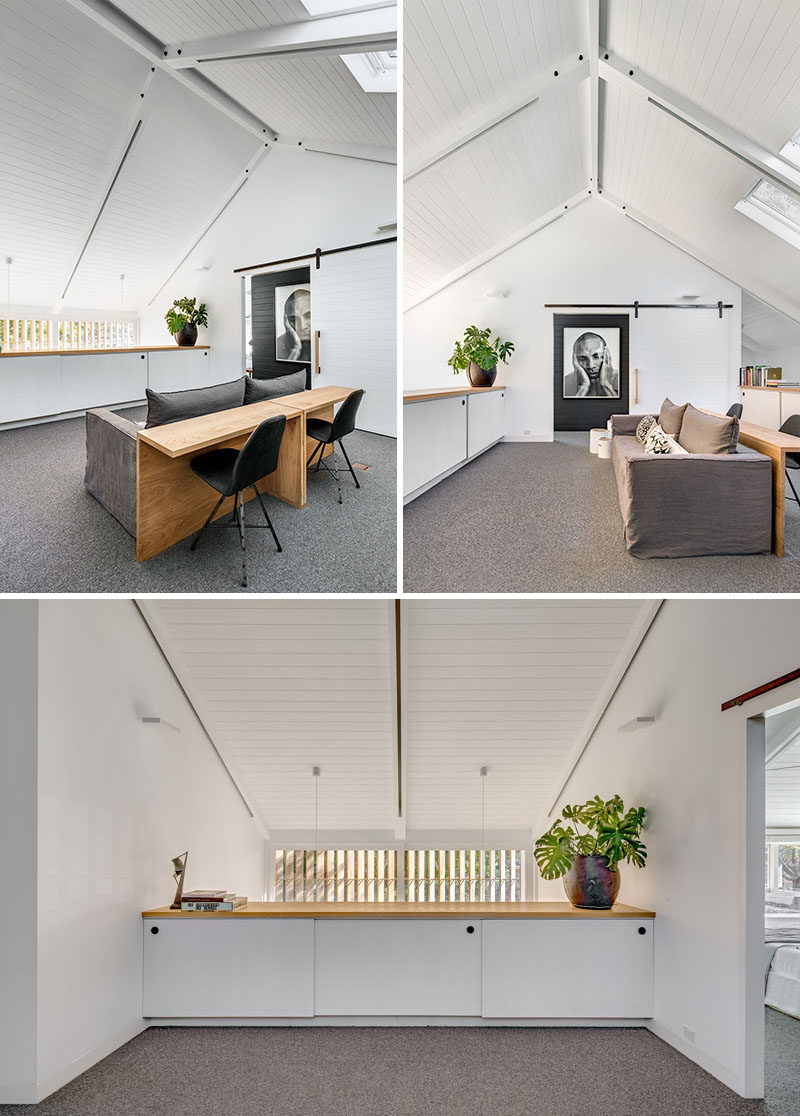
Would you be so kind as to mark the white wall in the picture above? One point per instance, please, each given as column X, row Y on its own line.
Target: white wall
column 296, row 201
column 785, row 357
column 689, row 771
column 117, row 800
column 18, row 702
column 591, row 255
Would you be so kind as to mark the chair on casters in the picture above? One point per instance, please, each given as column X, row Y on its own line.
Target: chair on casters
column 792, row 426
column 329, row 433
column 735, row 410
column 231, row 471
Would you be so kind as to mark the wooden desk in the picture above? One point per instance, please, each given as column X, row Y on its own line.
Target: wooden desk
column 172, row 503
column 774, row 445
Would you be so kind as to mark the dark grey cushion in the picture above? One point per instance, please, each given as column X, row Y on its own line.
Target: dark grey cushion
column 256, row 390
column 164, row 407
column 701, row 433
column 670, row 417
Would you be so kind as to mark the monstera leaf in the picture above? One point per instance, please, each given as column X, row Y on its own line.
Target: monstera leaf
column 598, row 827
column 554, row 852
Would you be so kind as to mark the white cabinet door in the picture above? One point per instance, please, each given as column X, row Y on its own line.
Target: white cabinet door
column 179, row 369
column 397, row 967
column 762, row 407
column 485, row 420
column 565, row 968
column 790, row 404
column 30, row 387
column 102, row 379
column 228, row 967
column 434, row 439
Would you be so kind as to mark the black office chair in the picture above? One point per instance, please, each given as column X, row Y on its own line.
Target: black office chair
column 231, row 471
column 735, row 410
column 329, row 433
column 792, row 426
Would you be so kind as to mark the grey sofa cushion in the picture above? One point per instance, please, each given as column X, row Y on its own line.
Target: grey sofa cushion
column 701, row 433
column 670, row 417
column 683, row 504
column 111, row 464
column 256, row 390
column 625, row 424
column 174, row 406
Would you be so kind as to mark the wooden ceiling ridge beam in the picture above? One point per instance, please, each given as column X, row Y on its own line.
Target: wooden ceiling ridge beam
column 370, row 29
column 630, row 649
column 777, row 170
column 733, row 275
column 125, row 30
column 498, row 249
column 564, row 74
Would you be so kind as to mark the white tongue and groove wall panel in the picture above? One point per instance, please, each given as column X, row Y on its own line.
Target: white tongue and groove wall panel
column 69, row 93
column 188, row 19
column 185, row 159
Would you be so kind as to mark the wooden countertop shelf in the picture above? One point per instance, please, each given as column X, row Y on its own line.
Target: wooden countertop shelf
column 765, row 387
column 407, row 910
column 444, row 393
column 96, row 352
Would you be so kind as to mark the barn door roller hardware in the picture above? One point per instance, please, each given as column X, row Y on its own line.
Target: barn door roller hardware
column 759, row 690
column 637, row 306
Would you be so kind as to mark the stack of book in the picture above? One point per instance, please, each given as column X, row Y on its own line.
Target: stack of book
column 759, row 375
column 212, row 901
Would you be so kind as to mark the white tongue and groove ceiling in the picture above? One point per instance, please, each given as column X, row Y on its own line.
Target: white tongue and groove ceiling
column 783, row 770
column 737, row 63
column 72, row 89
column 282, row 686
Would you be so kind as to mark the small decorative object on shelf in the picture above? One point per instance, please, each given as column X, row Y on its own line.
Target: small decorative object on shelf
column 212, row 901
column 179, row 874
column 183, row 318
column 479, row 355
column 586, row 844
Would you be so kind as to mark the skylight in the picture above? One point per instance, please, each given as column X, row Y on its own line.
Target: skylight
column 774, row 209
column 791, row 150
column 375, row 72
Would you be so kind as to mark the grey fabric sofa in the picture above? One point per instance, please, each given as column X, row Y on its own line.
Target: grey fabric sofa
column 110, row 474
column 678, row 505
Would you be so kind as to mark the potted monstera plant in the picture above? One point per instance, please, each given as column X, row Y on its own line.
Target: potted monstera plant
column 586, row 845
column 478, row 355
column 183, row 318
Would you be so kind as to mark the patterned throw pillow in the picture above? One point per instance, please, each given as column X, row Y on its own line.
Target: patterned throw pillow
column 657, row 441
column 643, row 429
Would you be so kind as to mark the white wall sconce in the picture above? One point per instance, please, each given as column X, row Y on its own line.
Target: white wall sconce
column 636, row 724
column 498, row 292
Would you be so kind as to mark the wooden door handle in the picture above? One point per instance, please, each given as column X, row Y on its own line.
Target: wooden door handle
column 316, row 352
column 635, row 386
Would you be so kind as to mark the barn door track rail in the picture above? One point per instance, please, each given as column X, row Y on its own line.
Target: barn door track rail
column 637, row 306
column 317, row 254
column 759, row 690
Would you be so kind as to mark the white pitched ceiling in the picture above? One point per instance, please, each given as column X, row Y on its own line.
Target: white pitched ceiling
column 739, row 62
column 765, row 329
column 783, row 769
column 285, row 685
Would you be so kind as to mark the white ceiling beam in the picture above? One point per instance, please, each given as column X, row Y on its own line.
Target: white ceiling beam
column 627, row 654
column 498, row 249
column 594, row 94
column 113, row 21
column 761, row 161
column 367, row 154
column 732, row 274
column 398, row 666
column 566, row 73
column 347, row 33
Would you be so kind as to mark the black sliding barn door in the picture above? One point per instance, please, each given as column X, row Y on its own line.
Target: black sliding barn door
column 265, row 328
column 587, row 412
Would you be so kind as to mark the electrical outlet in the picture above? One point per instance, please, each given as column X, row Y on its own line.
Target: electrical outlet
column 688, row 1033
column 526, row 431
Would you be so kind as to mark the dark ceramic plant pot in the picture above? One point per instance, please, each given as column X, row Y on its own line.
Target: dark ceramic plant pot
column 481, row 377
column 590, row 884
column 188, row 335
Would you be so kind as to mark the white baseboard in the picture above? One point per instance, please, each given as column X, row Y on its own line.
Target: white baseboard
column 528, row 438
column 86, row 1061
column 728, row 1077
column 394, row 1021
column 18, row 1094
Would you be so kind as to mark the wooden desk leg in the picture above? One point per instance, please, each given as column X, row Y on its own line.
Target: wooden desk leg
column 288, row 482
column 779, row 502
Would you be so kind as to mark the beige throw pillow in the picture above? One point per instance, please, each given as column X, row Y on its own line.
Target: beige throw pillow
column 670, row 417
column 702, row 433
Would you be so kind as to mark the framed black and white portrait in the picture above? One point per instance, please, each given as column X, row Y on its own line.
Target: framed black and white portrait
column 293, row 322
column 591, row 362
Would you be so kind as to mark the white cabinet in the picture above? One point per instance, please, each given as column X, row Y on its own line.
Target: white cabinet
column 762, row 407
column 179, row 369
column 434, row 439
column 568, row 968
column 30, row 386
column 102, row 379
column 398, row 967
column 485, row 420
column 228, row 968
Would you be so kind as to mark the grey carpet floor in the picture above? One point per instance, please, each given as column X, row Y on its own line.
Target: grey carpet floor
column 56, row 538
column 544, row 518
column 441, row 1071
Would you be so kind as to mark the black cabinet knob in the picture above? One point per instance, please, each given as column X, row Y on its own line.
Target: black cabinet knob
column 470, row 929
column 143, row 356
column 463, row 402
column 642, row 929
column 153, row 929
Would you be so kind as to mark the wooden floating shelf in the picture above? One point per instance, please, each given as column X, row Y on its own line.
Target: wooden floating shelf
column 407, row 910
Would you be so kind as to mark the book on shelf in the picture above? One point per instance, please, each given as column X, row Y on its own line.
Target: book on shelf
column 207, row 896
column 228, row 902
column 760, row 375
